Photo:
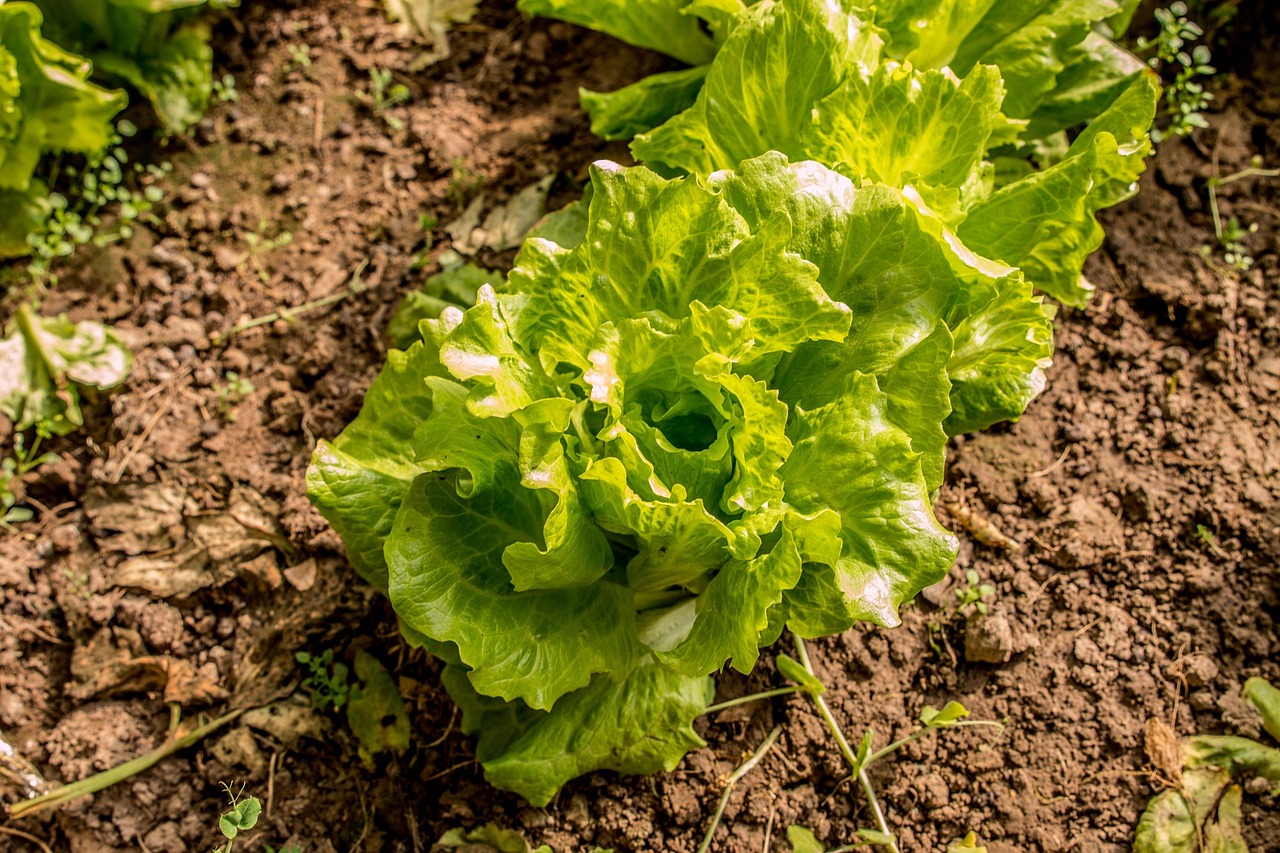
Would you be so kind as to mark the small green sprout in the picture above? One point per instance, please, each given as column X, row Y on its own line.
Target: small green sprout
column 235, row 389
column 224, row 90
column 325, row 680
column 1205, row 535
column 973, row 595
column 384, row 95
column 13, row 469
column 106, row 180
column 299, row 57
column 464, row 183
column 242, row 816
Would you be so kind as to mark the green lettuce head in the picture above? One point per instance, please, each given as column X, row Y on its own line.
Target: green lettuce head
column 708, row 409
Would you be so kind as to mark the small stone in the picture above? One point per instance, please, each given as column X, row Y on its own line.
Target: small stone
column 1087, row 652
column 165, row 838
column 227, row 258
column 236, row 360
column 1198, row 669
column 989, row 638
column 1202, row 700
column 302, row 576
column 65, row 537
column 201, row 180
column 934, row 791
column 578, row 813
column 280, row 182
column 1174, row 358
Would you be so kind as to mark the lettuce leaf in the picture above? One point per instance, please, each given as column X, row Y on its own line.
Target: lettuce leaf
column 607, row 479
column 1046, row 223
column 655, row 24
column 930, row 131
column 644, row 105
column 158, row 47
column 46, row 104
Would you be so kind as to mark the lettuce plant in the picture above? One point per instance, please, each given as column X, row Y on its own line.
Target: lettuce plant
column 159, row 47
column 699, row 410
column 965, row 103
column 47, row 105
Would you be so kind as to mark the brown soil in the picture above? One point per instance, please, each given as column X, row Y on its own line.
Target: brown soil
column 1143, row 484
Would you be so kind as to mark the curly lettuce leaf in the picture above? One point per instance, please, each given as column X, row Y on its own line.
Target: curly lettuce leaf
column 903, row 128
column 643, row 105
column 643, row 724
column 456, row 286
column 1046, row 223
column 158, row 47
column 447, row 581
column 359, row 480
column 25, row 213
column 654, row 24
column 657, row 245
column 923, row 305
column 753, row 100
column 46, row 102
column 1031, row 43
column 175, row 74
column 849, row 457
column 1097, row 72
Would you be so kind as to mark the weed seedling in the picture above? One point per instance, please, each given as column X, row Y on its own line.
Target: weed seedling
column 972, row 595
column 1210, row 541
column 1231, row 234
column 421, row 259
column 325, row 680
column 1185, row 97
column 800, row 671
column 299, row 57
column 224, row 90
column 13, row 469
column 243, row 815
column 235, row 389
column 106, row 180
column 260, row 244
column 1204, row 774
column 384, row 95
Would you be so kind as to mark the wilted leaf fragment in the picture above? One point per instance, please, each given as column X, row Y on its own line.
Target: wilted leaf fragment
column 430, row 20
column 490, row 835
column 375, row 710
column 48, row 365
column 1266, row 698
column 803, row 840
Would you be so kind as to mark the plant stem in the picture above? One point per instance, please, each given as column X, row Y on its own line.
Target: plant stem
column 107, row 778
column 353, row 288
column 743, row 769
column 875, row 808
column 919, row 733
column 802, row 654
column 1214, row 183
column 754, row 697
